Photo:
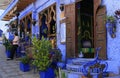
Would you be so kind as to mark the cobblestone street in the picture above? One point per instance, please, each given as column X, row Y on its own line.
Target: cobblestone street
column 10, row 69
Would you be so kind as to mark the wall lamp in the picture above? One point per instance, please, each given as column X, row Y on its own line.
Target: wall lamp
column 34, row 22
column 62, row 7
column 17, row 14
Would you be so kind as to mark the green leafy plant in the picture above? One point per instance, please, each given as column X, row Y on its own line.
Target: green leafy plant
column 56, row 55
column 40, row 53
column 7, row 44
column 25, row 60
column 111, row 24
column 63, row 74
column 110, row 18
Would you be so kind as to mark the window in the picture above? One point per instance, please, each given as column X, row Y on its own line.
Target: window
column 25, row 25
column 47, row 22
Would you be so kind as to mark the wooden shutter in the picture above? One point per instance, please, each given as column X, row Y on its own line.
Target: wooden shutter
column 100, row 37
column 70, row 30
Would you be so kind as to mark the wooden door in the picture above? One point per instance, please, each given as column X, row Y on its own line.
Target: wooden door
column 100, row 37
column 70, row 30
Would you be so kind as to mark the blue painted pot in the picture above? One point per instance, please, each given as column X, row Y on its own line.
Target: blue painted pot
column 49, row 73
column 24, row 67
column 8, row 54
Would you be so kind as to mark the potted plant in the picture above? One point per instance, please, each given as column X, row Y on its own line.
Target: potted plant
column 56, row 57
column 8, row 47
column 111, row 24
column 41, row 57
column 24, row 63
column 8, row 50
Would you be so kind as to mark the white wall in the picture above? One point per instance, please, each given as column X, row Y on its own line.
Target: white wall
column 113, row 44
column 2, row 23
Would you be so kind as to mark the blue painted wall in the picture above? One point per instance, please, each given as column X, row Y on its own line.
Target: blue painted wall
column 113, row 44
column 37, row 7
column 112, row 48
column 40, row 5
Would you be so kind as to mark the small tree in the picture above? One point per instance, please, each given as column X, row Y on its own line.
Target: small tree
column 41, row 50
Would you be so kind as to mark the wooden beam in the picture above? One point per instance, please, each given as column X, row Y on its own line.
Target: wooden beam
column 13, row 15
column 6, row 19
column 21, row 5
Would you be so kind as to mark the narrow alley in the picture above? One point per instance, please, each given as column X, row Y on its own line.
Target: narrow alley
column 10, row 69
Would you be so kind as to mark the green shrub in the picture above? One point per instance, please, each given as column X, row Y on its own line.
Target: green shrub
column 25, row 59
column 110, row 18
column 40, row 51
column 7, row 44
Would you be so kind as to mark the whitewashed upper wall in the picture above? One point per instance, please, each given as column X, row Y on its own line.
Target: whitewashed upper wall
column 111, row 6
column 113, row 44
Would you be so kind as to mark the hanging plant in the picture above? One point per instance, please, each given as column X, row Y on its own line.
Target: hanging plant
column 111, row 23
column 110, row 18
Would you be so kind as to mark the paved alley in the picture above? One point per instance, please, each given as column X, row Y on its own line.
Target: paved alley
column 10, row 69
